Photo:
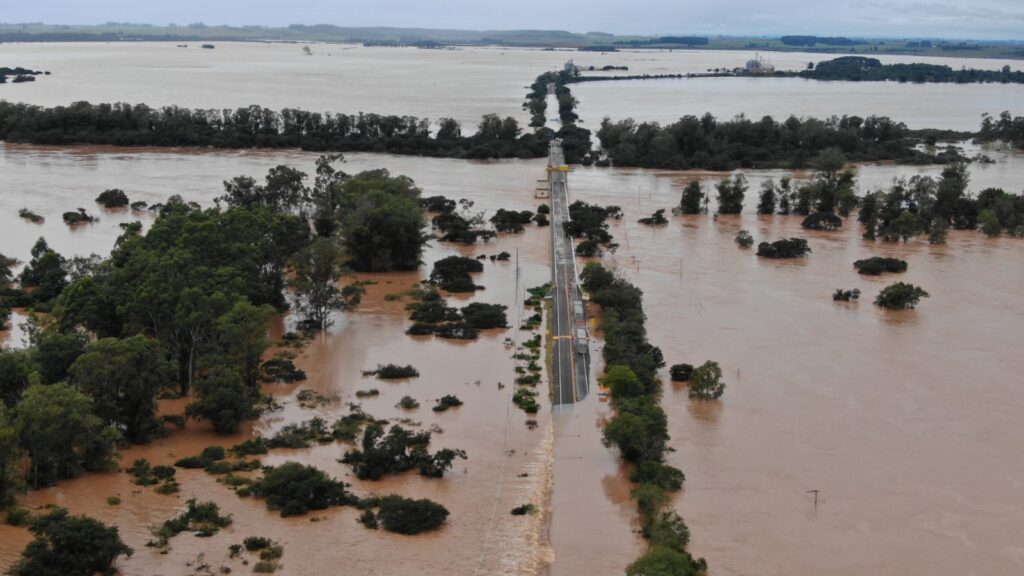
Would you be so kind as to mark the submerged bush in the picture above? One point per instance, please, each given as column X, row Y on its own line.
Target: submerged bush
column 407, row 516
column 681, row 372
column 744, row 239
column 877, row 265
column 295, row 489
column 900, row 296
column 112, row 198
column 706, row 382
column 788, row 248
column 841, row 295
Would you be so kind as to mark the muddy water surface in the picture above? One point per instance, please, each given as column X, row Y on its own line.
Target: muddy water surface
column 905, row 422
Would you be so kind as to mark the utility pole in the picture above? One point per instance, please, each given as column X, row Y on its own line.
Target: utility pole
column 815, row 492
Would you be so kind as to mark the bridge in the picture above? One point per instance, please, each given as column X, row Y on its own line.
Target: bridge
column 570, row 368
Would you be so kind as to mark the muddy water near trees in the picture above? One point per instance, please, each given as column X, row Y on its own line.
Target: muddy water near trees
column 905, row 422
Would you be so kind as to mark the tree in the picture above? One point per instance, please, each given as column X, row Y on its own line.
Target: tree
column 662, row 561
column 692, row 201
column 66, row 545
column 112, row 198
column 622, row 382
column 731, row 193
column 45, row 272
column 223, row 399
column 323, row 194
column 123, row 377
column 61, row 435
column 900, row 296
column 639, row 430
column 766, row 205
column 989, row 222
column 241, row 338
column 706, row 382
column 10, row 458
column 317, row 271
column 53, row 352
column 15, row 375
column 381, row 222
column 407, row 516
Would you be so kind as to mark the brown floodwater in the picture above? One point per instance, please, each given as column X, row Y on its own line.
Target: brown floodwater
column 905, row 422
column 466, row 83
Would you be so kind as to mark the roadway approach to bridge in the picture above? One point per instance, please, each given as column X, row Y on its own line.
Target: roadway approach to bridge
column 570, row 365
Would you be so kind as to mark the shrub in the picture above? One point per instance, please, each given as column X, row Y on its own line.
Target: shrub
column 408, row 403
column 394, row 371
column 841, row 295
column 822, row 221
column 900, row 296
column 744, row 239
column 483, row 316
column 445, row 402
column 79, row 217
column 253, row 543
column 295, row 489
column 407, row 516
column 251, row 447
column 706, row 382
column 112, row 198
column 282, row 370
column 662, row 561
column 681, row 372
column 511, row 220
column 397, row 451
column 656, row 219
column 369, row 519
column 789, row 248
column 203, row 518
column 877, row 265
column 523, row 510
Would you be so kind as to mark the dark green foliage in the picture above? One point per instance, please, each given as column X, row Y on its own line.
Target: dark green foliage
column 744, row 239
column 408, row 403
column 693, row 199
column 209, row 455
column 15, row 375
column 1006, row 128
column 900, row 296
column 639, row 430
column 439, row 204
column 407, row 516
column 66, row 545
column 452, row 273
column 295, row 489
column 706, row 382
column 369, row 520
column 656, row 219
column 822, row 221
column 253, row 126
column 588, row 222
column 79, row 217
column 223, row 399
column 445, row 402
column 317, row 271
column 45, row 273
column 662, row 475
column 60, row 434
column 523, row 510
column 252, row 447
column 731, row 193
column 768, row 199
column 10, row 466
column 394, row 372
column 202, row 518
column 397, row 451
column 283, row 370
column 124, row 376
column 54, row 352
column 381, row 222
column 623, row 382
column 485, row 316
column 31, row 216
column 253, row 543
column 112, row 198
column 709, row 143
column 511, row 220
column 841, row 295
column 862, row 69
column 878, row 265
column 544, row 209
column 526, row 399
column 681, row 372
column 787, row 248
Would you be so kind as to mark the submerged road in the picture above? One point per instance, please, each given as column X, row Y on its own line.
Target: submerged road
column 571, row 362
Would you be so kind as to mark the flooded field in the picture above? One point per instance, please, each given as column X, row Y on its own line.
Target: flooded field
column 466, row 83
column 903, row 421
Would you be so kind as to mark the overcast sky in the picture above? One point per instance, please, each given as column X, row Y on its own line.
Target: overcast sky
column 989, row 19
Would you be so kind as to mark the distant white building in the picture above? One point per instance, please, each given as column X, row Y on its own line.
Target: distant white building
column 759, row 66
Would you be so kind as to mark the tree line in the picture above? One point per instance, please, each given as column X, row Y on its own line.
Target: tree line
column 709, row 143
column 123, row 124
column 863, row 69
column 639, row 428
